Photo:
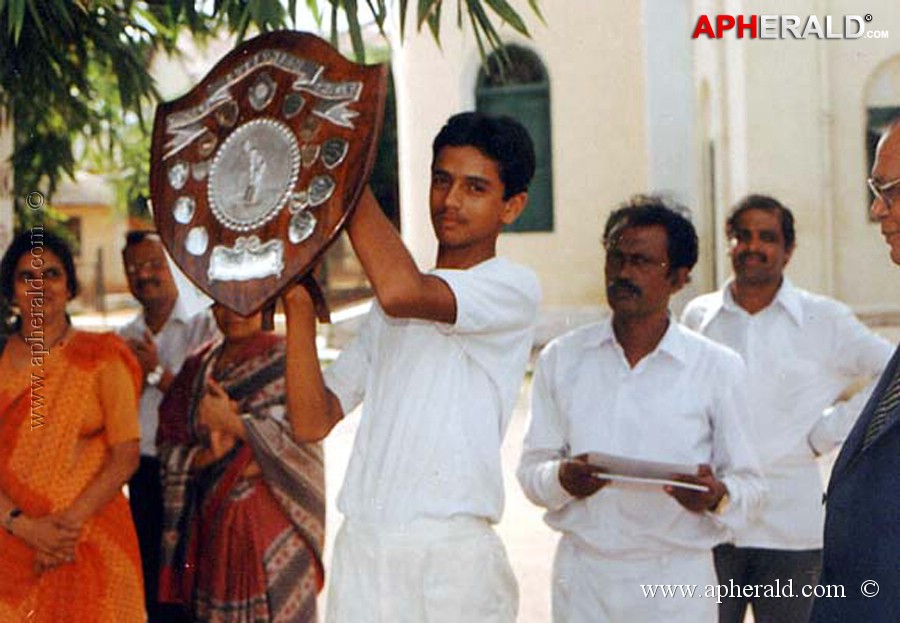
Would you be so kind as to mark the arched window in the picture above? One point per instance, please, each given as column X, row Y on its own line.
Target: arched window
column 518, row 86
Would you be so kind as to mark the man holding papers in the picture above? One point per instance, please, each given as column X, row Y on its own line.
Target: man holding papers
column 641, row 388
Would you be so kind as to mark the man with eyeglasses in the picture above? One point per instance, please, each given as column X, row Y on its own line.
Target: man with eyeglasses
column 639, row 386
column 802, row 352
column 862, row 510
column 161, row 337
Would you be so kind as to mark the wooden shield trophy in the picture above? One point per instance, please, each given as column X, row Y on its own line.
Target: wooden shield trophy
column 255, row 170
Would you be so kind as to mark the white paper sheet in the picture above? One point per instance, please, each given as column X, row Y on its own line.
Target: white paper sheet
column 624, row 469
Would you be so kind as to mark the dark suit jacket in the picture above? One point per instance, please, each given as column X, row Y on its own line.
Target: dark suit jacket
column 862, row 521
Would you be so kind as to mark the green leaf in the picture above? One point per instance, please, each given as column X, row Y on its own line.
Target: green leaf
column 475, row 29
column 537, row 10
column 61, row 13
column 270, row 15
column 483, row 22
column 36, row 16
column 508, row 14
column 403, row 5
column 359, row 49
column 16, row 19
column 424, row 11
column 334, row 20
column 242, row 24
column 313, row 7
column 434, row 23
column 379, row 13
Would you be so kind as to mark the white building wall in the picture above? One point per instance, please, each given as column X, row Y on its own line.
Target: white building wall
column 788, row 119
column 670, row 118
column 784, row 148
column 864, row 274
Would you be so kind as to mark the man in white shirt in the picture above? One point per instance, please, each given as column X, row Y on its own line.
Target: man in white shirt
column 802, row 351
column 438, row 365
column 639, row 386
column 161, row 336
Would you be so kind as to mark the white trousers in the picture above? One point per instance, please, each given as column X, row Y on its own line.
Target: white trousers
column 431, row 571
column 588, row 588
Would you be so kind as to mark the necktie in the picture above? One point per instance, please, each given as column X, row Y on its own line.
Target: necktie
column 889, row 400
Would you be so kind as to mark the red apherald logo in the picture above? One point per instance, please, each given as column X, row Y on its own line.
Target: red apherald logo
column 780, row 26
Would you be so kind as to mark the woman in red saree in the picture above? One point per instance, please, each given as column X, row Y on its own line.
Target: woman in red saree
column 68, row 443
column 244, row 503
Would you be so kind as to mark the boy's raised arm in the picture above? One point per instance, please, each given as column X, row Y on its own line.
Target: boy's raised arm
column 402, row 290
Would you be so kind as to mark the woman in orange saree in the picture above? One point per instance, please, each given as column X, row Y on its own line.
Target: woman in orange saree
column 68, row 443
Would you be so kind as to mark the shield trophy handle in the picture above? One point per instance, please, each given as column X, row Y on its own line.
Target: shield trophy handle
column 320, row 304
column 318, row 297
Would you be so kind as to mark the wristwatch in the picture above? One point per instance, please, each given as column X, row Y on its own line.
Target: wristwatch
column 10, row 518
column 155, row 375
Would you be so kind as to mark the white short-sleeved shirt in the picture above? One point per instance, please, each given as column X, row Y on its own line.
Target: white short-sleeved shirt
column 437, row 399
column 801, row 351
column 683, row 403
column 181, row 334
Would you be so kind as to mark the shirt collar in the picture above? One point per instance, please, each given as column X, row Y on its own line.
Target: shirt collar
column 787, row 298
column 672, row 342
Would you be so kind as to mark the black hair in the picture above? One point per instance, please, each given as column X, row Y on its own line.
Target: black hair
column 502, row 139
column 769, row 204
column 648, row 210
column 135, row 236
column 28, row 242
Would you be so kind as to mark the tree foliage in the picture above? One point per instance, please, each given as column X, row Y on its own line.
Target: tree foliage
column 74, row 73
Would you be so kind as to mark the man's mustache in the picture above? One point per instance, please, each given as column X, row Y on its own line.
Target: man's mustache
column 748, row 254
column 622, row 285
column 145, row 282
